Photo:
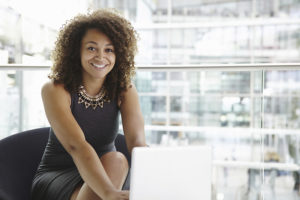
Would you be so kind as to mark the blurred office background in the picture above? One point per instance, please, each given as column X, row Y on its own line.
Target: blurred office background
column 220, row 72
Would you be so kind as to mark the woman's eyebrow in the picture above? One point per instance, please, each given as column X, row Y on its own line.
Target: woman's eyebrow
column 93, row 42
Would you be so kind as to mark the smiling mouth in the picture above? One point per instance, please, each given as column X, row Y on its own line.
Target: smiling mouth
column 98, row 66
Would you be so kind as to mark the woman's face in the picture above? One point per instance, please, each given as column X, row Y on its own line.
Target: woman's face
column 97, row 55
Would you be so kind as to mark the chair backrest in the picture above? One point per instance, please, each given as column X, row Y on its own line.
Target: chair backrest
column 20, row 155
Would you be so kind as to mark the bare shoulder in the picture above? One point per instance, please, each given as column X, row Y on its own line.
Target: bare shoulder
column 129, row 93
column 53, row 91
column 131, row 89
column 51, row 87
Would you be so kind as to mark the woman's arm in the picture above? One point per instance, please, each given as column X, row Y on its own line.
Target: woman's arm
column 132, row 118
column 57, row 107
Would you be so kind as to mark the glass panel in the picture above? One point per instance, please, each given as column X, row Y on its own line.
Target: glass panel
column 33, row 109
column 10, row 103
column 257, row 109
column 21, row 104
column 156, row 137
column 203, row 111
column 235, row 82
column 212, row 82
column 154, row 109
column 195, row 80
column 282, row 82
column 151, row 82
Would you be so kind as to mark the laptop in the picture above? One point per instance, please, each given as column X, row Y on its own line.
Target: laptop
column 171, row 173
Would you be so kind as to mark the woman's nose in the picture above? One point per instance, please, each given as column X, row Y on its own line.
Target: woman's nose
column 99, row 55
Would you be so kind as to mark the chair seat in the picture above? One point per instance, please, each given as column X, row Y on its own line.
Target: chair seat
column 20, row 155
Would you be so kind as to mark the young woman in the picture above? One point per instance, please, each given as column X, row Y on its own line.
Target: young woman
column 90, row 85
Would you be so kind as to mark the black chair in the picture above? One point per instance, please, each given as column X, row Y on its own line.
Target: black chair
column 20, row 155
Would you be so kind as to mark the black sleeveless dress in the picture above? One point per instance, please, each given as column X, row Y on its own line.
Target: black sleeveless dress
column 57, row 176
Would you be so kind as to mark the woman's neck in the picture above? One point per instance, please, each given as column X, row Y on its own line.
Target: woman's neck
column 93, row 87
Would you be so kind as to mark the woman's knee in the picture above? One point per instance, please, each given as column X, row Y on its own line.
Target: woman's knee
column 116, row 158
column 116, row 167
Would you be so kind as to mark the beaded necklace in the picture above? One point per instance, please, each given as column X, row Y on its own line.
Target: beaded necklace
column 92, row 101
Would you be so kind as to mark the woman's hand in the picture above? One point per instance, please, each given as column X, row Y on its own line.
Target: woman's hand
column 118, row 195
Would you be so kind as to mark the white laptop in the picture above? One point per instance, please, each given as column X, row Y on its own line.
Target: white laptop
column 171, row 173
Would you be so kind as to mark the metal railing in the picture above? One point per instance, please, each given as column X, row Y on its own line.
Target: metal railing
column 200, row 67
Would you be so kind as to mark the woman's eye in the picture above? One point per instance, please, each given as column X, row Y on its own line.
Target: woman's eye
column 109, row 50
column 91, row 48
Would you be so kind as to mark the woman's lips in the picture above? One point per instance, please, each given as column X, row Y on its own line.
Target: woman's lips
column 98, row 66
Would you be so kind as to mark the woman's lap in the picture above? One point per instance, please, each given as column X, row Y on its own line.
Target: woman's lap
column 56, row 185
column 59, row 184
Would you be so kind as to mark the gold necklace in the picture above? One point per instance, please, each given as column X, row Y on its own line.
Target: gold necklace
column 92, row 101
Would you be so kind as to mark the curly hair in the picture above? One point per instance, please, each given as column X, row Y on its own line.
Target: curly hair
column 67, row 67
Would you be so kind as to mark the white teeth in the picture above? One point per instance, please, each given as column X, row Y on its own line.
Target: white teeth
column 98, row 66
